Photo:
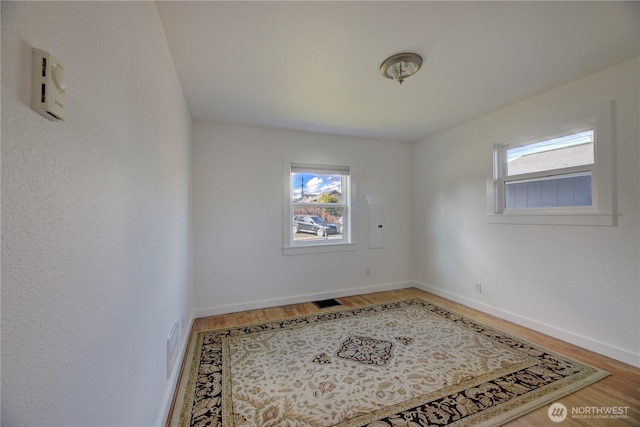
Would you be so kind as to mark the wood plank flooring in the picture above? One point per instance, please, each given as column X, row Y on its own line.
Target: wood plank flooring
column 620, row 389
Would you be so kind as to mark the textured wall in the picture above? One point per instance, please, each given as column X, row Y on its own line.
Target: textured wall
column 95, row 217
column 579, row 283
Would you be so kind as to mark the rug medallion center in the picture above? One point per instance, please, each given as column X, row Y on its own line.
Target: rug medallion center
column 366, row 350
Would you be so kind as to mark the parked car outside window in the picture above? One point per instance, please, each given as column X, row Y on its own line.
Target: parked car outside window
column 313, row 224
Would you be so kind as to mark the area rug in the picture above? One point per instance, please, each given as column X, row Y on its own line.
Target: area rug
column 405, row 363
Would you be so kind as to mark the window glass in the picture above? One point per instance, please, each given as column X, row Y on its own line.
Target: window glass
column 551, row 192
column 312, row 223
column 576, row 149
column 318, row 205
column 316, row 188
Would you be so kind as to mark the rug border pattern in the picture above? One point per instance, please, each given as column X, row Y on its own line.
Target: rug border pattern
column 498, row 414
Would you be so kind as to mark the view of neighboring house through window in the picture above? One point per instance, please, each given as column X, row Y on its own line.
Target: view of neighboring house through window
column 558, row 171
column 549, row 173
column 319, row 204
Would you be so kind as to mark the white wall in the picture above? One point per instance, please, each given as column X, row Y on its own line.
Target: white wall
column 238, row 211
column 95, row 217
column 579, row 283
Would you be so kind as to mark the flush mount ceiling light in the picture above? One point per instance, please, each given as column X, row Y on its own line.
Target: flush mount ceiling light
column 399, row 67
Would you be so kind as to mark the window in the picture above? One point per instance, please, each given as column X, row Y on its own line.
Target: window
column 318, row 208
column 557, row 172
column 552, row 173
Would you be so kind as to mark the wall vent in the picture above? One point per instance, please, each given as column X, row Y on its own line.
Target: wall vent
column 172, row 348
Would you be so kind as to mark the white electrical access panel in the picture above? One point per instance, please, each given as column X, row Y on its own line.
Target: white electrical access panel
column 49, row 86
column 375, row 221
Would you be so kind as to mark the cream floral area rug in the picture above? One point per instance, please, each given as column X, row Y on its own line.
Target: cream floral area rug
column 407, row 363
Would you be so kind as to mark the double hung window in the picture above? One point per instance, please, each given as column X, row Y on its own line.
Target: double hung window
column 550, row 173
column 557, row 172
column 318, row 208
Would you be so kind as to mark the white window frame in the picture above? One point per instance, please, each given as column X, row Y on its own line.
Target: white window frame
column 602, row 211
column 291, row 247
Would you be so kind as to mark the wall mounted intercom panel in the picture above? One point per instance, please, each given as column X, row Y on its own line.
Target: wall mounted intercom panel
column 49, row 86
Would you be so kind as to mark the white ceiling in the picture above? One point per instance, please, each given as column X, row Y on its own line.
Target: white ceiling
column 314, row 66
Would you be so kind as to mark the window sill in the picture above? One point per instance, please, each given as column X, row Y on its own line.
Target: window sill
column 318, row 248
column 553, row 218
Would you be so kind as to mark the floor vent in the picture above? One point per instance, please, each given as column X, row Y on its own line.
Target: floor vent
column 326, row 303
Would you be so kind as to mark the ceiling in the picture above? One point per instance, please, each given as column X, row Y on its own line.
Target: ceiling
column 314, row 66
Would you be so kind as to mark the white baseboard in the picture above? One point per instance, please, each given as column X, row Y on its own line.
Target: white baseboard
column 232, row 308
column 172, row 382
column 275, row 302
column 605, row 349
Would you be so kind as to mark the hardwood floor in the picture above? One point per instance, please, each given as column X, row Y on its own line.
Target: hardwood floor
column 621, row 389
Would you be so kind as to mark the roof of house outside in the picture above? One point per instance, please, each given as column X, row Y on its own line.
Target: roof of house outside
column 554, row 159
column 313, row 198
